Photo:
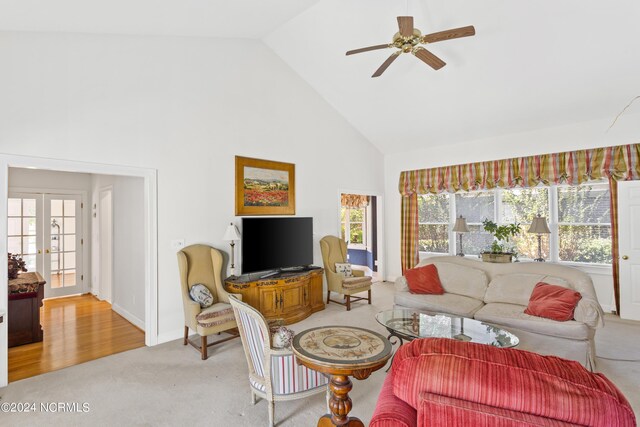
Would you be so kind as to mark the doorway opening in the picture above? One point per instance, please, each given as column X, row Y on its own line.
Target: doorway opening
column 89, row 232
column 360, row 228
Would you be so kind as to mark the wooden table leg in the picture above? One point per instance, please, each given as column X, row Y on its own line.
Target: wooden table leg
column 340, row 404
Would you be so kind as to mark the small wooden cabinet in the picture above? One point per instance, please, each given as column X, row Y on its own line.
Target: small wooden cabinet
column 291, row 296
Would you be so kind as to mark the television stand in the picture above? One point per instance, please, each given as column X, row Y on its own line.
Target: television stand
column 287, row 295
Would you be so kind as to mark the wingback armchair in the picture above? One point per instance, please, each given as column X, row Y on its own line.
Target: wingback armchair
column 274, row 374
column 334, row 250
column 202, row 264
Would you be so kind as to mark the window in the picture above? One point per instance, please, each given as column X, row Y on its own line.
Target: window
column 476, row 207
column 578, row 216
column 22, row 223
column 353, row 222
column 433, row 223
column 584, row 224
column 521, row 205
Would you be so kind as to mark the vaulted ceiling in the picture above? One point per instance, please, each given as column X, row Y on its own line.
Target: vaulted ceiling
column 531, row 65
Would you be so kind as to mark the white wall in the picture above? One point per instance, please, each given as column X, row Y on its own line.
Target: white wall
column 127, row 293
column 186, row 107
column 49, row 181
column 551, row 140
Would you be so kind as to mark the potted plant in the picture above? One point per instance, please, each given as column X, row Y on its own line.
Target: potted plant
column 499, row 251
column 15, row 266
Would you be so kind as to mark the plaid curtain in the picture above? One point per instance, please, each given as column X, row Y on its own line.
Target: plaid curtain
column 617, row 163
column 615, row 250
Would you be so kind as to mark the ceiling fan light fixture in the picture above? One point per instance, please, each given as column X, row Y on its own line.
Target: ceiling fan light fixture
column 409, row 40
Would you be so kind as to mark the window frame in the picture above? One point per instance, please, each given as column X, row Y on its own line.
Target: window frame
column 347, row 227
column 552, row 217
column 452, row 220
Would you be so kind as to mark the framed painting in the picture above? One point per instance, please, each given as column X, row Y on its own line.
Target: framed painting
column 265, row 187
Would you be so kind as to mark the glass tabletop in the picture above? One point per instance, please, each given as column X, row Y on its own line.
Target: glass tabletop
column 411, row 324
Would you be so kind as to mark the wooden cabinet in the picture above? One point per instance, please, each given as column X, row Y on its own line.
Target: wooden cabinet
column 289, row 296
column 23, row 305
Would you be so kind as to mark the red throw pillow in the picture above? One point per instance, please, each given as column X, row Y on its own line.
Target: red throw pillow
column 424, row 280
column 553, row 302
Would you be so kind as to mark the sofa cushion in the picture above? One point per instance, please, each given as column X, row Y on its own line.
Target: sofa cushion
column 516, row 288
column 436, row 410
column 462, row 280
column 424, row 280
column 553, row 302
column 512, row 315
column 511, row 379
column 445, row 303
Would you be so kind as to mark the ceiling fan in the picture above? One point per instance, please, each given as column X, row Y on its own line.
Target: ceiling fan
column 409, row 40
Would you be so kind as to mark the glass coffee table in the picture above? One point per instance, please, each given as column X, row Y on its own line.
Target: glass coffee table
column 407, row 324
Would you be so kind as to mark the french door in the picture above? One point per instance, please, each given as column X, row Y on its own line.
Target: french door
column 46, row 230
column 629, row 243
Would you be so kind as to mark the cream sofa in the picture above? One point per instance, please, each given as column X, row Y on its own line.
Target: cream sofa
column 499, row 293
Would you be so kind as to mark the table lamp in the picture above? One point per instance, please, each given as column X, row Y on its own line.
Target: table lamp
column 540, row 227
column 460, row 227
column 231, row 235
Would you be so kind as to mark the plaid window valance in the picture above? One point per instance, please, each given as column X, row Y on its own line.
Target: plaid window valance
column 573, row 167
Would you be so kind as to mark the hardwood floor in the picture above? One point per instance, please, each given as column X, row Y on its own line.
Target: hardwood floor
column 76, row 329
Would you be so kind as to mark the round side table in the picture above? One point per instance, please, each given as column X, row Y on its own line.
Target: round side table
column 341, row 352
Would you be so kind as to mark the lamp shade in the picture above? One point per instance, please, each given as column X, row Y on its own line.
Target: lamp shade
column 231, row 234
column 461, row 225
column 539, row 226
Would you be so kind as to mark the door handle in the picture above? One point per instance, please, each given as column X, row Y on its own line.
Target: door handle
column 47, row 251
column 39, row 251
column 625, row 257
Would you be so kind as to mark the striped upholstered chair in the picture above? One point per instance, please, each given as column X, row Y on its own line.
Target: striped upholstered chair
column 274, row 374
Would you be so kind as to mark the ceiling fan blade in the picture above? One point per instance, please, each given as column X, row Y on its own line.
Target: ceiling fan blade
column 386, row 64
column 405, row 23
column 429, row 58
column 453, row 33
column 367, row 49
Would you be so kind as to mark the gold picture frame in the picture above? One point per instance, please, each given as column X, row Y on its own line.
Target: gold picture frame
column 265, row 187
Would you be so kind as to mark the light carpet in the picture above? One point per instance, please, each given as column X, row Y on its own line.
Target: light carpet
column 169, row 385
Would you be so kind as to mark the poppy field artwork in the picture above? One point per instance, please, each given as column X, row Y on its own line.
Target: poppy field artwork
column 264, row 187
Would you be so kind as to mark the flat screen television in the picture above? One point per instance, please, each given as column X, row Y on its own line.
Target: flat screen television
column 276, row 243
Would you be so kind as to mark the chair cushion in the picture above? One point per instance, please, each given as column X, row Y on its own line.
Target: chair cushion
column 287, row 376
column 511, row 379
column 356, row 282
column 424, row 280
column 391, row 411
column 202, row 295
column 445, row 303
column 217, row 314
column 512, row 315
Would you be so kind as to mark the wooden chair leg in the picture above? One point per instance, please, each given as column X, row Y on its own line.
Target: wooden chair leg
column 271, row 413
column 348, row 302
column 328, row 296
column 369, row 292
column 203, row 347
column 186, row 335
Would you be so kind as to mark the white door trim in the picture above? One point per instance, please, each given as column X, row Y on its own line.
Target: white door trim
column 380, row 229
column 150, row 232
column 108, row 295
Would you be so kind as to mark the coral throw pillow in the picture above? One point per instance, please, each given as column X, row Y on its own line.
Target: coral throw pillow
column 553, row 302
column 424, row 280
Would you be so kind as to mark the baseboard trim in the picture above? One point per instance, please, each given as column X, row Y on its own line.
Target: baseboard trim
column 138, row 323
